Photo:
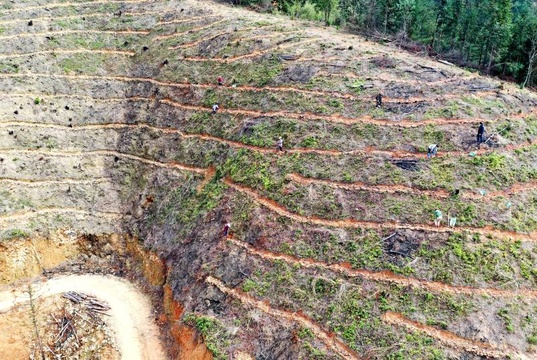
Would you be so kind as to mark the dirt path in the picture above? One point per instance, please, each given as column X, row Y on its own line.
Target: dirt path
column 57, row 181
column 171, row 165
column 131, row 317
column 233, row 143
column 223, row 33
column 386, row 78
column 352, row 223
column 67, row 52
column 249, row 55
column 160, row 13
column 384, row 276
column 394, row 189
column 180, row 21
column 191, row 30
column 330, row 340
column 358, row 185
column 203, row 39
column 282, row 89
column 336, row 118
column 67, row 4
column 454, row 341
column 115, row 216
column 36, row 20
column 65, row 32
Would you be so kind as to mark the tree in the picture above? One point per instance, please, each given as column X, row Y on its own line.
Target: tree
column 405, row 9
column 496, row 33
column 326, row 7
column 532, row 53
column 423, row 21
column 496, row 36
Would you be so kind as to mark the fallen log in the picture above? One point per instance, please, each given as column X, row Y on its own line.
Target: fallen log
column 427, row 67
column 289, row 57
column 389, row 237
column 445, row 62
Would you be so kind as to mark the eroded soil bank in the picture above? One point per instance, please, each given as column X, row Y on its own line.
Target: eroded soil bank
column 113, row 268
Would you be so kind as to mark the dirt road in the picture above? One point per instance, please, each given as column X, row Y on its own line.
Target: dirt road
column 137, row 335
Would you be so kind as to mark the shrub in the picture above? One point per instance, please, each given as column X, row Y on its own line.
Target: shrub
column 308, row 12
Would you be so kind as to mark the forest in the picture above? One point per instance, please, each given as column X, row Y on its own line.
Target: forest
column 496, row 37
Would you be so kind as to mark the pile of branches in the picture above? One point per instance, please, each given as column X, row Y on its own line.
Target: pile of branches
column 90, row 303
column 73, row 326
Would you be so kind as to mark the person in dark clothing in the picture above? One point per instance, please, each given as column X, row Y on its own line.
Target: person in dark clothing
column 379, row 100
column 225, row 230
column 220, row 80
column 480, row 133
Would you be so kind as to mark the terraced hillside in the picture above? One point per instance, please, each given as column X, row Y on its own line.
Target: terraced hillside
column 106, row 129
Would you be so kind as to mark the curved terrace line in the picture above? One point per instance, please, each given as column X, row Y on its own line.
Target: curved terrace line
column 402, row 123
column 454, row 341
column 74, row 4
column 353, row 223
column 384, row 276
column 57, row 181
column 53, row 210
column 212, row 37
column 171, row 165
column 66, row 17
column 247, row 56
column 179, row 21
column 169, row 36
column 380, row 188
column 396, row 188
column 65, row 32
column 241, row 88
column 329, row 339
column 267, row 150
column 75, row 51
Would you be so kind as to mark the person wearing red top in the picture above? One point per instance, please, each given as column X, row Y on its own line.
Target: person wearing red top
column 225, row 230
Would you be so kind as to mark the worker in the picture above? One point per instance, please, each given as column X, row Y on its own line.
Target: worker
column 225, row 230
column 452, row 217
column 480, row 132
column 379, row 100
column 279, row 144
column 215, row 108
column 220, row 80
column 431, row 151
column 437, row 217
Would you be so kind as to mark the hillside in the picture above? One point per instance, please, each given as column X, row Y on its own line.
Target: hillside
column 112, row 163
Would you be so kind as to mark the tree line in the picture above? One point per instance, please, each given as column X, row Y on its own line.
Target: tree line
column 497, row 37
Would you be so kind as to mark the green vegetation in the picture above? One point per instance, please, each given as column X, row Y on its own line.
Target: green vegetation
column 495, row 36
column 215, row 335
column 185, row 205
column 472, row 261
column 14, row 234
column 302, row 10
column 346, row 308
column 180, row 213
column 84, row 63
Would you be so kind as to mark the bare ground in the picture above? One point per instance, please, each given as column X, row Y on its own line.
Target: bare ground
column 136, row 333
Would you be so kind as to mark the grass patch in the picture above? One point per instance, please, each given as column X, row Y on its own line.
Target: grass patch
column 14, row 234
column 215, row 335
